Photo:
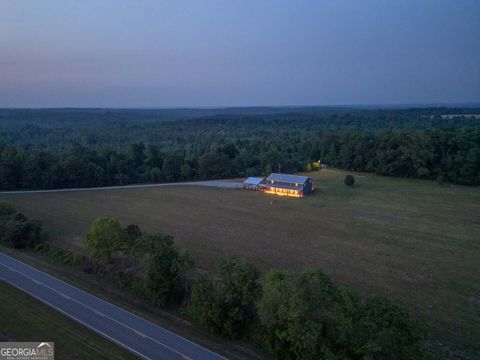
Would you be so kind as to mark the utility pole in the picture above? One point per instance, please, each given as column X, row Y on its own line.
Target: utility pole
column 279, row 168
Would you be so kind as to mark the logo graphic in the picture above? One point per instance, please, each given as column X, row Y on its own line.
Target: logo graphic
column 27, row 351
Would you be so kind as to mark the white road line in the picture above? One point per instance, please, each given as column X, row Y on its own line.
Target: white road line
column 111, row 304
column 99, row 313
column 106, row 316
column 140, row 334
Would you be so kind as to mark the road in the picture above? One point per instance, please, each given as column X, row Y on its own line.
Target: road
column 211, row 183
column 139, row 336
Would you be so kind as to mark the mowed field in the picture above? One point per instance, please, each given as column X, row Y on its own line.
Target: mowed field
column 415, row 241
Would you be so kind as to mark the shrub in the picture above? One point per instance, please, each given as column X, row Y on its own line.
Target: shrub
column 349, row 180
column 57, row 254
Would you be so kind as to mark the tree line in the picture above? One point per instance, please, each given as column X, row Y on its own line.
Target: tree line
column 285, row 314
column 442, row 154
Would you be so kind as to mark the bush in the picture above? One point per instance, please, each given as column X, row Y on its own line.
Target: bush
column 349, row 180
column 226, row 305
column 57, row 254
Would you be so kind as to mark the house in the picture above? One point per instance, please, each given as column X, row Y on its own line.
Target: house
column 288, row 185
column 281, row 184
column 253, row 183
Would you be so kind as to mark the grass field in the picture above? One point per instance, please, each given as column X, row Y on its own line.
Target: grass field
column 415, row 241
column 22, row 318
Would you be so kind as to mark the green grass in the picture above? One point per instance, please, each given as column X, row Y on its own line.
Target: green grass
column 412, row 240
column 22, row 318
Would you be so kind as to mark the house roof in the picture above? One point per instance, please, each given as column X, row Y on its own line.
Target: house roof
column 287, row 178
column 253, row 181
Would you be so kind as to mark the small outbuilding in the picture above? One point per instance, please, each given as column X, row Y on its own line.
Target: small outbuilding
column 253, row 183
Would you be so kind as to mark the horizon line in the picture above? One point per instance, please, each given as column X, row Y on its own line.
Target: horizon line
column 215, row 107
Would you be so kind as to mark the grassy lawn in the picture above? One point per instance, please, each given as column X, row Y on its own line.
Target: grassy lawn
column 412, row 240
column 22, row 318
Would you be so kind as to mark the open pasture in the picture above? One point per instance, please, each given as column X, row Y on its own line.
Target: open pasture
column 415, row 241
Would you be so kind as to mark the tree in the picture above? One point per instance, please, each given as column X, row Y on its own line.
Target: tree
column 136, row 154
column 153, row 158
column 309, row 317
column 19, row 232
column 385, row 331
column 16, row 230
column 165, row 269
column 214, row 164
column 171, row 167
column 349, row 180
column 11, row 168
column 131, row 233
column 186, row 171
column 226, row 305
column 105, row 237
column 270, row 159
column 154, row 174
column 78, row 168
column 286, row 311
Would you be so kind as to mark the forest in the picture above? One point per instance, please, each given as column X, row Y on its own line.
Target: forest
column 64, row 148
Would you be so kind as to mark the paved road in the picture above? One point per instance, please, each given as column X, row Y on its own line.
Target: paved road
column 139, row 336
column 212, row 183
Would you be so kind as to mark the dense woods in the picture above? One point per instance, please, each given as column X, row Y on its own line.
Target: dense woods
column 41, row 149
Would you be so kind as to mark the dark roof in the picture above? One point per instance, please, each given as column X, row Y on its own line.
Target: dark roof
column 287, row 178
column 253, row 180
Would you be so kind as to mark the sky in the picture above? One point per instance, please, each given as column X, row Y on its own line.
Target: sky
column 238, row 52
